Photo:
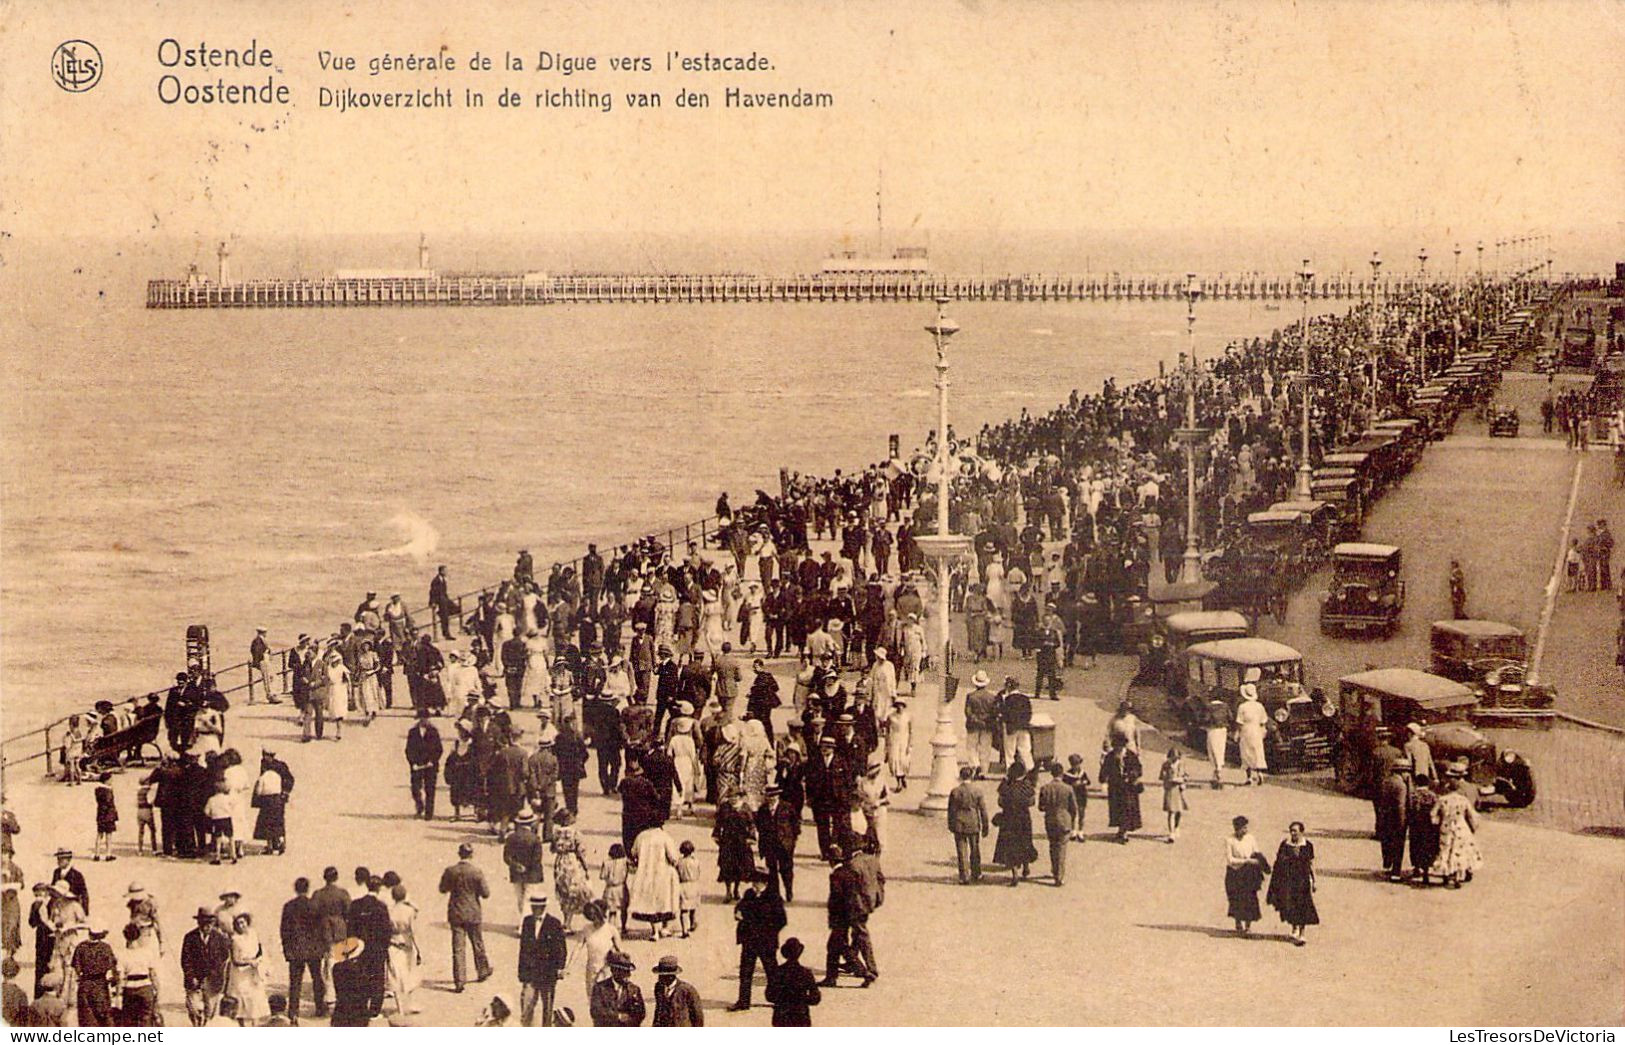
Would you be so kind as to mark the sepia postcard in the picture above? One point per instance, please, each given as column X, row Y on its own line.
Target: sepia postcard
column 913, row 514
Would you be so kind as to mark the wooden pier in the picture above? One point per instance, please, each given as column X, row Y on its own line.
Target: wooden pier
column 533, row 289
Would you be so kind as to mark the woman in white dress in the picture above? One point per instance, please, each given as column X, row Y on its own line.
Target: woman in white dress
column 600, row 940
column 538, row 658
column 369, row 696
column 338, row 692
column 403, row 951
column 712, row 630
column 653, row 894
column 245, row 978
column 1251, row 723
column 899, row 743
column 998, row 593
column 240, row 785
column 685, row 757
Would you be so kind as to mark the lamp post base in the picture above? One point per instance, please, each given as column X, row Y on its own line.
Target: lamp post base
column 944, row 764
column 1190, row 567
column 1302, row 489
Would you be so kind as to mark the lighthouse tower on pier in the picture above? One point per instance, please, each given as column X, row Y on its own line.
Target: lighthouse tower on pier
column 223, row 254
column 423, row 251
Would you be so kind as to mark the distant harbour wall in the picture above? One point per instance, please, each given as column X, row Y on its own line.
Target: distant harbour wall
column 531, row 289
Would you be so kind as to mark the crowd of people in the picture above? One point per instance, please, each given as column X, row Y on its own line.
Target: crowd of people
column 636, row 661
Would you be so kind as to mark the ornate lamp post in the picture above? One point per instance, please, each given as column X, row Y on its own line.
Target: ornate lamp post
column 1480, row 308
column 943, row 547
column 1422, row 292
column 1302, row 491
column 1376, row 264
column 1455, row 290
column 1190, row 569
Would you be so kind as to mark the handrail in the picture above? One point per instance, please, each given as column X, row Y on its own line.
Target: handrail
column 704, row 529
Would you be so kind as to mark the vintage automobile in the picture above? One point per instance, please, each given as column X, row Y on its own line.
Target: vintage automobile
column 1345, row 495
column 1322, row 523
column 1383, row 456
column 1579, row 348
column 1366, row 592
column 1489, row 657
column 1377, row 705
column 1504, row 422
column 1141, row 615
column 1412, row 436
column 1163, row 657
column 1282, row 536
column 1302, row 732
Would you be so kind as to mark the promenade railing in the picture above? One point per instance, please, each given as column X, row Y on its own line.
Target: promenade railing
column 45, row 742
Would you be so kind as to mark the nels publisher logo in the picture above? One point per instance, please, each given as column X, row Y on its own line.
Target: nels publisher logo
column 76, row 66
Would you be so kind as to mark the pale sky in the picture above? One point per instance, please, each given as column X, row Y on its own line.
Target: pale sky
column 984, row 116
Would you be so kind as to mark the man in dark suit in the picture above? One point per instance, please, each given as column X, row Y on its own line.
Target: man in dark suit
column 205, row 953
column 514, row 657
column 303, row 946
column 668, row 685
column 967, row 819
column 526, row 858
column 542, row 782
column 778, row 828
column 423, row 751
column 848, row 910
column 1059, row 805
column 331, row 904
column 66, row 872
column 760, row 918
column 507, row 785
column 440, row 599
column 541, row 961
column 465, row 887
column 368, row 921
column 615, row 1000
column 677, row 1003
column 829, row 793
column 571, row 756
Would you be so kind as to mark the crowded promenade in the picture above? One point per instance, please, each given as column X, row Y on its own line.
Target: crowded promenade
column 649, row 771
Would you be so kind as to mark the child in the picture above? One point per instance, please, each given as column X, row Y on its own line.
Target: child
column 106, row 819
column 688, row 898
column 73, row 752
column 1077, row 778
column 218, row 811
column 146, row 824
column 1571, row 561
column 1173, row 791
column 615, row 877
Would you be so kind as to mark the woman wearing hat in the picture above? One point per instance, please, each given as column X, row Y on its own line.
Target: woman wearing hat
column 758, row 763
column 976, row 623
column 571, row 882
column 1459, row 855
column 1015, row 848
column 337, row 691
column 94, row 966
column 899, row 730
column 1251, row 723
column 682, row 745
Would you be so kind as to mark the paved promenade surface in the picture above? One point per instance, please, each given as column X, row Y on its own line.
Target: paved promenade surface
column 1137, row 935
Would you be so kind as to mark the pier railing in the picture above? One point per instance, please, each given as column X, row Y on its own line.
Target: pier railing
column 660, row 288
column 45, row 742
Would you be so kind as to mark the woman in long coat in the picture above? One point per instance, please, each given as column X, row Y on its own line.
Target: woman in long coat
column 653, row 893
column 462, row 776
column 1292, row 886
column 1015, row 848
column 1244, row 871
column 1459, row 855
column 759, row 763
column 402, row 970
column 736, row 862
column 1120, row 771
column 1024, row 621
column 976, row 635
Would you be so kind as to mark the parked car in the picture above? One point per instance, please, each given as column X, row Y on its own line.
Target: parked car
column 1163, row 657
column 1377, row 705
column 1489, row 657
column 1302, row 732
column 1504, row 422
column 1366, row 592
